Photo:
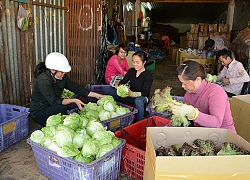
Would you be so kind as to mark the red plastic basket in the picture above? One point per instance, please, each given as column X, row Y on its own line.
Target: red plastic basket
column 133, row 154
column 14, row 124
column 51, row 165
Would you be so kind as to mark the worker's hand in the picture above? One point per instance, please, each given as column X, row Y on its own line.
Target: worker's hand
column 133, row 94
column 225, row 81
column 79, row 104
column 116, row 85
column 180, row 110
column 99, row 96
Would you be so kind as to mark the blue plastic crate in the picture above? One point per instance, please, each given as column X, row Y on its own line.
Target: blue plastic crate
column 14, row 124
column 98, row 89
column 55, row 167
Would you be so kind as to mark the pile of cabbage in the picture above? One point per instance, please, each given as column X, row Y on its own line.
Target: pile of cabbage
column 75, row 136
column 104, row 109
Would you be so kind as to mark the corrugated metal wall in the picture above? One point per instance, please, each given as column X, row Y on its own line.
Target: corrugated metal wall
column 83, row 38
column 16, row 57
column 49, row 28
column 21, row 51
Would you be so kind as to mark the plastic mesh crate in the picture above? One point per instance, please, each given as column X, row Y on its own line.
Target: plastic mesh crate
column 55, row 167
column 118, row 122
column 165, row 114
column 14, row 124
column 97, row 89
column 133, row 154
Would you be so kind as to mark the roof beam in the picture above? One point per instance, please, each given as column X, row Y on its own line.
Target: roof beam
column 188, row 1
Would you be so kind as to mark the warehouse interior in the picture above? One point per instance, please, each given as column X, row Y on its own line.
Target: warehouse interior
column 187, row 23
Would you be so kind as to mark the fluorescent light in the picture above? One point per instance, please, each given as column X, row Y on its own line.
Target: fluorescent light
column 149, row 6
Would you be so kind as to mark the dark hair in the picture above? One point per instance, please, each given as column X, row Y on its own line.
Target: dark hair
column 123, row 46
column 40, row 68
column 224, row 53
column 144, row 57
column 190, row 70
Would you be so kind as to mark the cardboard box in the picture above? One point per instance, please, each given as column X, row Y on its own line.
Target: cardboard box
column 235, row 167
column 240, row 108
column 183, row 41
column 185, row 54
column 209, row 63
column 172, row 53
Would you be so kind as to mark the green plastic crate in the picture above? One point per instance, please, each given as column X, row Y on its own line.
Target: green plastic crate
column 151, row 67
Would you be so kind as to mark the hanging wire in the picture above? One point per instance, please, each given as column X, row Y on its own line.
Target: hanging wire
column 102, row 58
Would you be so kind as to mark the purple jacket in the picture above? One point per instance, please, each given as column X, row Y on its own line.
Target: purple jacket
column 213, row 105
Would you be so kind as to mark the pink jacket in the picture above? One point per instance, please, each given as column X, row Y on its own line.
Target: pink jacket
column 114, row 67
column 213, row 105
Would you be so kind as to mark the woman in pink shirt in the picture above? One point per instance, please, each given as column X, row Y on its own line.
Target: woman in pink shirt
column 207, row 103
column 117, row 64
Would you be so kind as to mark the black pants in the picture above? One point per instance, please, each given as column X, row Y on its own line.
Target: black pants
column 230, row 94
column 43, row 114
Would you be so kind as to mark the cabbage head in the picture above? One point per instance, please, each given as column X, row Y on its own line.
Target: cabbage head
column 85, row 160
column 116, row 142
column 90, row 148
column 122, row 91
column 72, row 121
column 104, row 115
column 104, row 149
column 109, row 106
column 90, row 106
column 108, row 98
column 63, row 137
column 68, row 150
column 49, row 131
column 37, row 136
column 55, row 120
column 103, row 136
column 80, row 139
column 92, row 127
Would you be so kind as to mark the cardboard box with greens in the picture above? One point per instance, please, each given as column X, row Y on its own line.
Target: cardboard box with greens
column 234, row 167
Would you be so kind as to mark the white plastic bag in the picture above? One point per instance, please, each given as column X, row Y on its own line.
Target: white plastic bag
column 23, row 18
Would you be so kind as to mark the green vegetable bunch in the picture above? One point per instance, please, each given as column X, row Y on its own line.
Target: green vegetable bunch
column 78, row 137
column 160, row 103
column 201, row 147
column 211, row 78
column 67, row 94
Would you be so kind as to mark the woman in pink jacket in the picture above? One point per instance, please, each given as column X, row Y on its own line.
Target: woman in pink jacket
column 207, row 103
column 117, row 64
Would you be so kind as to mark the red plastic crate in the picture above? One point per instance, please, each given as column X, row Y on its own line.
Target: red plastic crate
column 133, row 154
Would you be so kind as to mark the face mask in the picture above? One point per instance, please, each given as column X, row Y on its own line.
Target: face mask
column 57, row 77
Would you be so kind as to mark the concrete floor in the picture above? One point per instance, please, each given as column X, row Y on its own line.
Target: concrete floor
column 18, row 161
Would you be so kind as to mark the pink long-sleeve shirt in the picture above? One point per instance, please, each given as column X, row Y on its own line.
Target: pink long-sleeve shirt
column 114, row 67
column 213, row 105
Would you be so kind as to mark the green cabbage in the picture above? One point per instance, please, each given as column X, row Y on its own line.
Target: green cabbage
column 85, row 160
column 68, row 150
column 90, row 148
column 122, row 91
column 104, row 149
column 54, row 120
column 80, row 139
column 37, row 136
column 72, row 121
column 67, row 94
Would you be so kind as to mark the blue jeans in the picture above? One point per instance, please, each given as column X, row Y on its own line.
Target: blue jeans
column 138, row 101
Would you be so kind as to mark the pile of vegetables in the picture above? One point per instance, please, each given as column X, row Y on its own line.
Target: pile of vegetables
column 201, row 148
column 211, row 78
column 160, row 103
column 105, row 108
column 67, row 94
column 75, row 136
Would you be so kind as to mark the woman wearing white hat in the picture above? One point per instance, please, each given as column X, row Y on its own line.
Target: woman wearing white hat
column 46, row 97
